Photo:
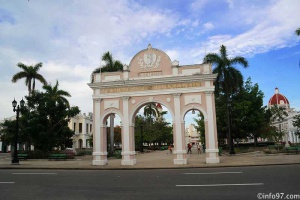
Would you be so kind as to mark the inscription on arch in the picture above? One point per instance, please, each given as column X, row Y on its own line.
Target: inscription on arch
column 153, row 87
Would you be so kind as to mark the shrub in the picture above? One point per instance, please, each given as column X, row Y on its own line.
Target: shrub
column 82, row 152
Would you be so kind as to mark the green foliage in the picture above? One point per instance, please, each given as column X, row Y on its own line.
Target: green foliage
column 229, row 79
column 296, row 123
column 298, row 32
column 248, row 113
column 150, row 111
column 158, row 131
column 200, row 127
column 8, row 129
column 117, row 154
column 43, row 121
column 110, row 65
column 30, row 73
column 83, row 152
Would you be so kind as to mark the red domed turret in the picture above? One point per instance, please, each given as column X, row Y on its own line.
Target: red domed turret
column 279, row 100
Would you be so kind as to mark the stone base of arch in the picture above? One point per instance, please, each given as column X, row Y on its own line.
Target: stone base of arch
column 212, row 156
column 100, row 158
column 180, row 157
column 128, row 158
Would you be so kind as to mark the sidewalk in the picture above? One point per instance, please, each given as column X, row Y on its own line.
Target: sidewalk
column 155, row 160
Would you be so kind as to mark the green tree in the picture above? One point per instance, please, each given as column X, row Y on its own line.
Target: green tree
column 30, row 73
column 110, row 65
column 248, row 113
column 229, row 80
column 298, row 32
column 150, row 110
column 200, row 127
column 296, row 123
column 56, row 95
column 278, row 113
column 7, row 131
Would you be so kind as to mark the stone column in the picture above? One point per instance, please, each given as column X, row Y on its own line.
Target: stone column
column 99, row 138
column 128, row 154
column 212, row 151
column 112, row 127
column 179, row 147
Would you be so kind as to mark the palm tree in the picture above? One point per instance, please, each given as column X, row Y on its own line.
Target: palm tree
column 110, row 65
column 229, row 79
column 298, row 32
column 151, row 110
column 58, row 96
column 30, row 73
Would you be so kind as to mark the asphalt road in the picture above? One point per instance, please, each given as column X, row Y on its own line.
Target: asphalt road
column 202, row 183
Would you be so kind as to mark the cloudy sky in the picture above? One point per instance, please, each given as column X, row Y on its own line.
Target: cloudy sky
column 69, row 37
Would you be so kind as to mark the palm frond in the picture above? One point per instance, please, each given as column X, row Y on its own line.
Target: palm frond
column 298, row 32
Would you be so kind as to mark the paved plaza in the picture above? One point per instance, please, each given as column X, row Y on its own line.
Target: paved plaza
column 155, row 160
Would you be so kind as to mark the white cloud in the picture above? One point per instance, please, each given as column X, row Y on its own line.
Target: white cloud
column 208, row 26
column 198, row 5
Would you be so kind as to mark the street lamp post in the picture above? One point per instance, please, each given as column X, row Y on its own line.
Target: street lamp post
column 15, row 160
column 230, row 138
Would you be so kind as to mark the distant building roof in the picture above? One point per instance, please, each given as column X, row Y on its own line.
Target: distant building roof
column 279, row 99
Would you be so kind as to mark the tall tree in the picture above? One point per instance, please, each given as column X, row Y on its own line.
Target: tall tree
column 248, row 114
column 278, row 113
column 57, row 95
column 229, row 80
column 30, row 73
column 150, row 110
column 200, row 126
column 296, row 123
column 298, row 32
column 110, row 65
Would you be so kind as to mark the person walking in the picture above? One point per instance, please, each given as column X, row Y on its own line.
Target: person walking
column 189, row 148
column 199, row 148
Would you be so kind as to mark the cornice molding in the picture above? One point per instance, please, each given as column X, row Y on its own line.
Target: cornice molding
column 154, row 81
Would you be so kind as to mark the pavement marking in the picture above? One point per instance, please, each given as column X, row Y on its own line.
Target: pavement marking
column 35, row 173
column 7, row 182
column 216, row 185
column 216, row 173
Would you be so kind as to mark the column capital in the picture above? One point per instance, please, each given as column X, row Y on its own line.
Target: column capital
column 126, row 98
column 98, row 99
column 103, row 126
column 208, row 92
column 176, row 95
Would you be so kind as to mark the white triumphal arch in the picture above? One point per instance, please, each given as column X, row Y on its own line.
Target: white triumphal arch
column 152, row 77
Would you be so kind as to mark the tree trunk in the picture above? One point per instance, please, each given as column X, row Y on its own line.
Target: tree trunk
column 255, row 141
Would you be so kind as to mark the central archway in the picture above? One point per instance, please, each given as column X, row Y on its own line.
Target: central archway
column 152, row 77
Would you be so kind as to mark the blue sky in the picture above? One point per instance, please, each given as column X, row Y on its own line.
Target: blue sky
column 70, row 36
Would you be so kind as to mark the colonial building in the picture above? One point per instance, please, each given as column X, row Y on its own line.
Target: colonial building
column 192, row 134
column 285, row 125
column 82, row 127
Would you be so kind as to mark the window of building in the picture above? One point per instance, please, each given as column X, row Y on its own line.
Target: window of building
column 87, row 128
column 74, row 127
column 90, row 127
column 80, row 127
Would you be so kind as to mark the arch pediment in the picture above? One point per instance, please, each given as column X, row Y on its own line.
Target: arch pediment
column 150, row 62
